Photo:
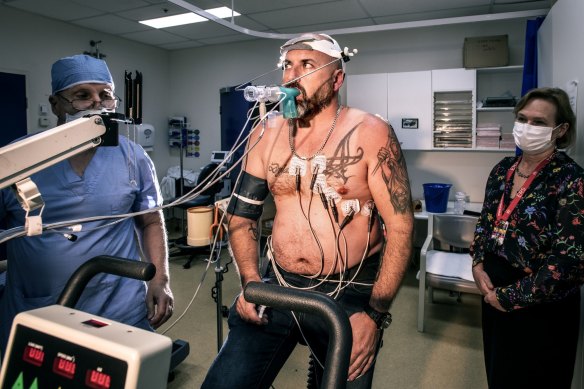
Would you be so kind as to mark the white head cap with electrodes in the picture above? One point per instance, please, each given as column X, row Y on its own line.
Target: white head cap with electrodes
column 318, row 42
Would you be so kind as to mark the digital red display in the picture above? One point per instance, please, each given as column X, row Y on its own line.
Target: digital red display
column 64, row 367
column 95, row 323
column 97, row 379
column 33, row 355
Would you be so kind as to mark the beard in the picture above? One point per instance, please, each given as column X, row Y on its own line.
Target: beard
column 308, row 108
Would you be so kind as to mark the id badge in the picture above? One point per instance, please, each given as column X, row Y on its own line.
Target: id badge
column 499, row 231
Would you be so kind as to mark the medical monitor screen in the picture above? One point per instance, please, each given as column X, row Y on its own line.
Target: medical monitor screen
column 219, row 156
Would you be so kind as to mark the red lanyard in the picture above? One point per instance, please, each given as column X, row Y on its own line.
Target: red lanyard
column 505, row 215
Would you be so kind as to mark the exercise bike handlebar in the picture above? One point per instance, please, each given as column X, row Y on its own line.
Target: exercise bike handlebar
column 103, row 264
column 337, row 322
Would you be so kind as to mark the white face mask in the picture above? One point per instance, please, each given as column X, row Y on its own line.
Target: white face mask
column 533, row 138
column 80, row 114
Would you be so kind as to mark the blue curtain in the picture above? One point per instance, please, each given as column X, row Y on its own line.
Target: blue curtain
column 530, row 59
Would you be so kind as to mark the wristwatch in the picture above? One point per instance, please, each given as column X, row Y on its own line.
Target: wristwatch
column 381, row 319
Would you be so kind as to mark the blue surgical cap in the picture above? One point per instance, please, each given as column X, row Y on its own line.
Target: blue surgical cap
column 79, row 69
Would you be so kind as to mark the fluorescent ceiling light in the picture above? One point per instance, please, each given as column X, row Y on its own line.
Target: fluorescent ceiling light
column 188, row 18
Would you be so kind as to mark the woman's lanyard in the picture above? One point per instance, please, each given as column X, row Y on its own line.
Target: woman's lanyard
column 502, row 223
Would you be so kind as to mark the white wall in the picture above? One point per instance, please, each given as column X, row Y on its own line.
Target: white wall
column 30, row 44
column 561, row 60
column 198, row 74
column 187, row 82
column 561, row 57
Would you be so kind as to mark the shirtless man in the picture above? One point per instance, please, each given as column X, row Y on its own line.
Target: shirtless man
column 334, row 173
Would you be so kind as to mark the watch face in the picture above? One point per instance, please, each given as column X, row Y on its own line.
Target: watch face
column 386, row 321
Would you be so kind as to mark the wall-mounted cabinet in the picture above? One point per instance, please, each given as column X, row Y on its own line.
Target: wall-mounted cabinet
column 404, row 99
column 453, row 92
column 368, row 92
column 442, row 109
column 409, row 108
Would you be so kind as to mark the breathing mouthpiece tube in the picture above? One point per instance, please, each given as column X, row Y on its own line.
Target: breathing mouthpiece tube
column 289, row 102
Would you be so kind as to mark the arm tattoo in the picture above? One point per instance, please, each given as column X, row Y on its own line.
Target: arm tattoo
column 337, row 165
column 394, row 173
column 253, row 231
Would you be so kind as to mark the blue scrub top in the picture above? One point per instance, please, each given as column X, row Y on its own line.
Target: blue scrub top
column 117, row 180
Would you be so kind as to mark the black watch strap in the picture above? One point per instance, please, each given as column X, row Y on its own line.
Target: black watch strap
column 381, row 319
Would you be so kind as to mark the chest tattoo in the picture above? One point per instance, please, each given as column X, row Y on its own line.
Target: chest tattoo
column 339, row 163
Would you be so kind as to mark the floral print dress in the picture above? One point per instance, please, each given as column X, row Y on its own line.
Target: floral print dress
column 545, row 236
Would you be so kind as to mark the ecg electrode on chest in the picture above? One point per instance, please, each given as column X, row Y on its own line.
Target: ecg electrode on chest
column 297, row 167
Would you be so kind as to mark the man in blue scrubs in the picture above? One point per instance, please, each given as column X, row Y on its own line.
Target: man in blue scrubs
column 102, row 181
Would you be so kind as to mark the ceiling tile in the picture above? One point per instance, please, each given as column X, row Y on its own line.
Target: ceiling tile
column 112, row 6
column 201, row 30
column 181, row 45
column 327, row 26
column 153, row 37
column 120, row 17
column 111, row 24
column 382, row 8
column 223, row 40
column 438, row 14
column 309, row 15
column 153, row 11
column 258, row 6
column 210, row 29
column 56, row 9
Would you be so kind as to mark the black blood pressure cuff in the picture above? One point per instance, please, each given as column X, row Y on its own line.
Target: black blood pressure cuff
column 248, row 197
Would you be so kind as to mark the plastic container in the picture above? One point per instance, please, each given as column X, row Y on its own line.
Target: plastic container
column 436, row 197
column 459, row 203
column 199, row 220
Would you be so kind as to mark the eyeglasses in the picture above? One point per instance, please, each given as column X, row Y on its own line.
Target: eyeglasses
column 85, row 104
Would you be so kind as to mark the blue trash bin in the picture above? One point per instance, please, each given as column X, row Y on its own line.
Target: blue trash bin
column 436, row 197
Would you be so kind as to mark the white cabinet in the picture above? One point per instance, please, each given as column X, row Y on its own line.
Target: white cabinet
column 368, row 92
column 417, row 104
column 453, row 92
column 453, row 80
column 404, row 99
column 409, row 107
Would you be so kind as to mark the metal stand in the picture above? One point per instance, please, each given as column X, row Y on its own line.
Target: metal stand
column 217, row 290
column 182, row 181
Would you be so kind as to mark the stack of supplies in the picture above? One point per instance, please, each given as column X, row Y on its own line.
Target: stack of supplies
column 507, row 142
column 488, row 135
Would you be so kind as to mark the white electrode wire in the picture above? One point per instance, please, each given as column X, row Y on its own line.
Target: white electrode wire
column 346, row 283
column 202, row 280
column 20, row 231
column 240, row 87
column 215, row 237
column 17, row 232
column 210, row 181
column 191, row 301
column 280, row 277
column 310, row 72
column 220, row 225
column 340, row 283
column 363, row 257
column 312, row 232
